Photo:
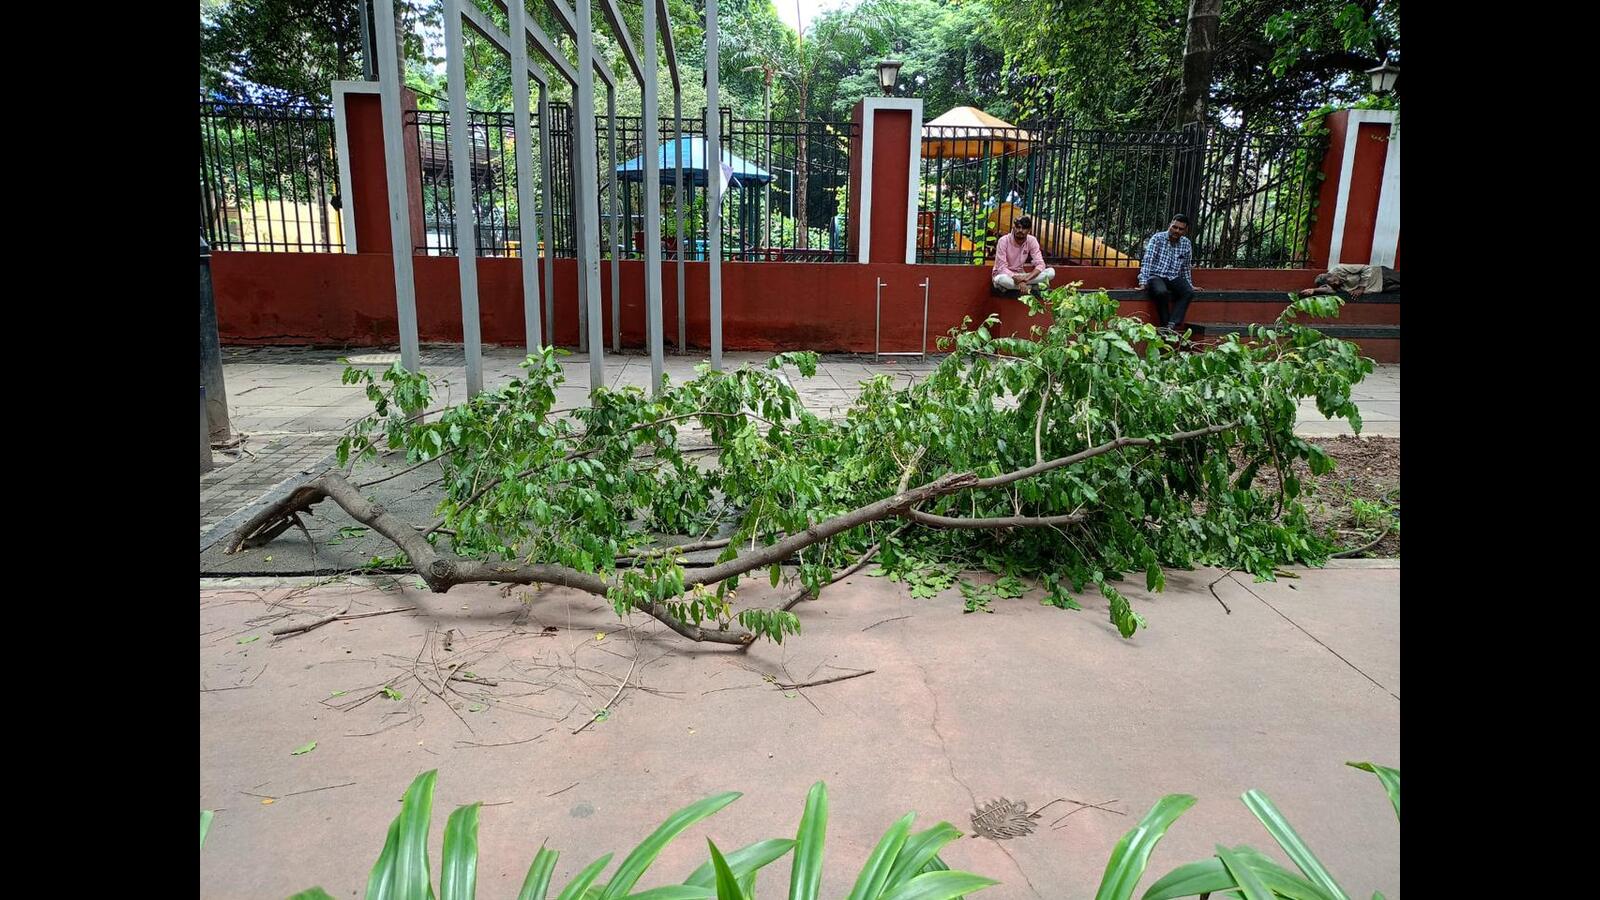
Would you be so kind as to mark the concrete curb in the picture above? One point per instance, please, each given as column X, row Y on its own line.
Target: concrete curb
column 273, row 494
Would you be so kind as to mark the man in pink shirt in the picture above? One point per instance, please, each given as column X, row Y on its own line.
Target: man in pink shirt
column 1018, row 261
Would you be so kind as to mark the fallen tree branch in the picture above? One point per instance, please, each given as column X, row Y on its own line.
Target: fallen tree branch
column 1346, row 554
column 341, row 615
column 441, row 573
column 795, row 687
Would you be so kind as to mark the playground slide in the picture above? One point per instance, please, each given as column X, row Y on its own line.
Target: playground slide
column 1057, row 240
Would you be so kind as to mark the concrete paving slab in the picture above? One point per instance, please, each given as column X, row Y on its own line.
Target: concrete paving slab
column 1031, row 703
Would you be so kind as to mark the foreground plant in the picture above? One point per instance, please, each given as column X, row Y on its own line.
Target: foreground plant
column 1238, row 872
column 1092, row 451
column 904, row 866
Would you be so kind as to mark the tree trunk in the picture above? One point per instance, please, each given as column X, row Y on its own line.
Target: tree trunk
column 1199, row 51
column 802, row 238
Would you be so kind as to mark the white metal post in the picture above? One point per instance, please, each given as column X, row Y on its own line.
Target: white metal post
column 461, row 175
column 652, row 199
column 713, row 166
column 586, row 191
column 527, row 211
column 390, row 80
column 677, row 207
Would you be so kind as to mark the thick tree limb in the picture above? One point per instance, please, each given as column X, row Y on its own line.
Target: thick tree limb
column 441, row 574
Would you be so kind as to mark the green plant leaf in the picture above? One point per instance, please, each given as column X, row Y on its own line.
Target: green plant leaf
column 675, row 892
column 920, row 850
column 1211, row 876
column 727, row 885
column 302, row 751
column 1390, row 779
column 250, row 640
column 634, row 866
column 743, row 861
column 1249, row 883
column 537, row 885
column 875, row 874
column 413, row 878
column 1291, row 843
column 315, row 893
column 380, row 884
column 805, row 876
column 1132, row 853
column 581, row 884
column 458, row 870
column 940, row 886
column 205, row 824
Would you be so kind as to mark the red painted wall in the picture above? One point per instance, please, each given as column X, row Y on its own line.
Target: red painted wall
column 891, row 184
column 1328, row 197
column 1366, row 183
column 370, row 186
column 348, row 300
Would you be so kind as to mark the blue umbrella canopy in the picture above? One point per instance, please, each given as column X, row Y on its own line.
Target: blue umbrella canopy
column 692, row 150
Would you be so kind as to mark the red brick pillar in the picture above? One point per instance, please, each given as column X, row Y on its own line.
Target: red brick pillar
column 1358, row 208
column 369, row 187
column 885, row 156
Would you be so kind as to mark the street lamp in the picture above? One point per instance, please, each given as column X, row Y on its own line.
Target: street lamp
column 888, row 74
column 1384, row 78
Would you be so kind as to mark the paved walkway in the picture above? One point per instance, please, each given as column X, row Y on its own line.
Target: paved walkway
column 1030, row 703
column 292, row 407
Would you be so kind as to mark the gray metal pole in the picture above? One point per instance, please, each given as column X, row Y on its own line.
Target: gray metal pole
column 206, row 462
column 677, row 206
column 461, row 175
column 652, row 199
column 616, row 236
column 391, row 78
column 713, row 162
column 211, row 356
column 369, row 69
column 586, row 190
column 579, row 229
column 527, row 212
column 547, row 211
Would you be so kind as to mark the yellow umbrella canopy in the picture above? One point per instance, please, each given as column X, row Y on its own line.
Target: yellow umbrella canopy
column 967, row 132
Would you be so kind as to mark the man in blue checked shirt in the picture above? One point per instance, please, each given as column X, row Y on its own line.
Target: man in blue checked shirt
column 1165, row 273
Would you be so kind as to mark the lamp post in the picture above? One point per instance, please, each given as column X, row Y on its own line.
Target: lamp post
column 888, row 74
column 1384, row 78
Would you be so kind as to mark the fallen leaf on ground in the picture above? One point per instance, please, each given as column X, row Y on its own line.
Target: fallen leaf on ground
column 302, row 751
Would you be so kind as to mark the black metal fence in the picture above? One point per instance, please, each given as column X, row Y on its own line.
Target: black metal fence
column 269, row 178
column 1096, row 196
column 269, row 181
column 783, row 172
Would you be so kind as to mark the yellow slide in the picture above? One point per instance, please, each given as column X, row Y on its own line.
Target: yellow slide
column 1057, row 240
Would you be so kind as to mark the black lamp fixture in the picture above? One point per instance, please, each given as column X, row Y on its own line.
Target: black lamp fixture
column 888, row 74
column 1384, row 77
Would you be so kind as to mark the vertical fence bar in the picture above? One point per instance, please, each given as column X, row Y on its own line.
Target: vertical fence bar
column 391, row 77
column 461, row 148
column 713, row 163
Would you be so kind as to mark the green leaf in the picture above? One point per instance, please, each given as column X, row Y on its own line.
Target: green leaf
column 875, row 874
column 250, row 640
column 1390, row 778
column 392, row 694
column 380, row 884
column 675, row 892
column 1291, row 843
column 920, row 849
column 1211, row 876
column 777, row 573
column 581, row 883
column 537, row 885
column 634, row 866
column 458, row 870
column 1248, row 881
column 806, row 875
column 727, row 885
column 413, row 879
column 940, row 886
column 315, row 893
column 302, row 751
column 743, row 861
column 1132, row 853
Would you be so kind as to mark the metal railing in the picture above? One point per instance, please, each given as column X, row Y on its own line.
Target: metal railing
column 1096, row 196
column 269, row 178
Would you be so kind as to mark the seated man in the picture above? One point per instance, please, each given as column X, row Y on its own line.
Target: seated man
column 1356, row 280
column 1018, row 261
column 1166, row 273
